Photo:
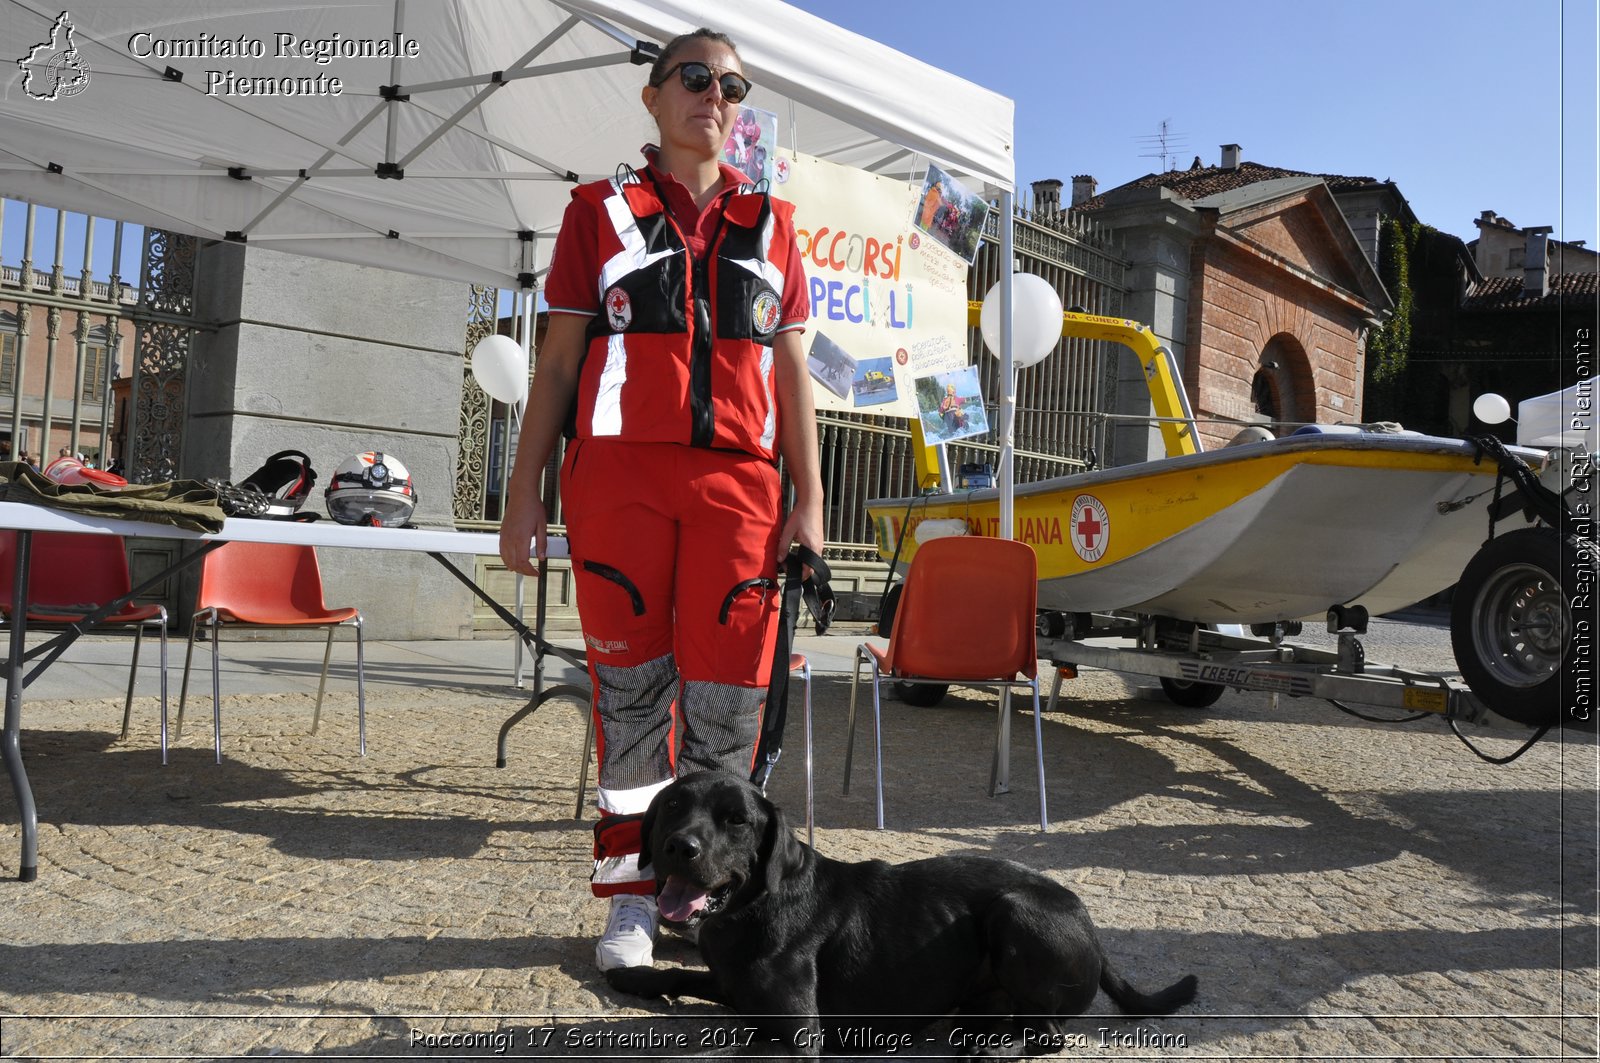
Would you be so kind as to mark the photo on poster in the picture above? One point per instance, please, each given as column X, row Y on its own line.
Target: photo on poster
column 752, row 146
column 874, row 383
column 951, row 405
column 831, row 366
column 951, row 214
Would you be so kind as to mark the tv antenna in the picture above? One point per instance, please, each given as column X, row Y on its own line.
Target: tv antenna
column 1166, row 144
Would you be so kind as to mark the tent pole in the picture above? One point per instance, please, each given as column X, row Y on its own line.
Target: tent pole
column 1008, row 375
column 390, row 139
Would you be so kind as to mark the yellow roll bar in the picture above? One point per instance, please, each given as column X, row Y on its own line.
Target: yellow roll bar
column 1167, row 396
column 1160, row 371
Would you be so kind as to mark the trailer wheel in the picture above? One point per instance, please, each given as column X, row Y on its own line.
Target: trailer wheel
column 1190, row 693
column 1511, row 625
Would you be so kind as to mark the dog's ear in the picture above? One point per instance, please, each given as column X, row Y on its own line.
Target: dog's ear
column 781, row 852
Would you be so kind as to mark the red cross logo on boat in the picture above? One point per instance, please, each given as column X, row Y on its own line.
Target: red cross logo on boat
column 1091, row 528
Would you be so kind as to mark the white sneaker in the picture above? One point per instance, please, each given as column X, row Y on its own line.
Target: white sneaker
column 629, row 940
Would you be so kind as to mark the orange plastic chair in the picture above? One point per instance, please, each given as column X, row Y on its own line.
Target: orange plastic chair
column 966, row 617
column 69, row 577
column 267, row 585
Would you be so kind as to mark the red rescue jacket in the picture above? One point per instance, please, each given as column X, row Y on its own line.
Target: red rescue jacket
column 681, row 350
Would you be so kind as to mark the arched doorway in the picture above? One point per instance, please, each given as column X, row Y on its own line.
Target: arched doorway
column 1281, row 389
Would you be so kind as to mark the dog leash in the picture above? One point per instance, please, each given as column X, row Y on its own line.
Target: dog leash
column 818, row 596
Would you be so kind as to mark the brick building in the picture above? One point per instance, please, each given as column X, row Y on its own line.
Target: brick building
column 1260, row 280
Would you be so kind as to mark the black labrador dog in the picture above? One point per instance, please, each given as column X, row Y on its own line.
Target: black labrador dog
column 824, row 954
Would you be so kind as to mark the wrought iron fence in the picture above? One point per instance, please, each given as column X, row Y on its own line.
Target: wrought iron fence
column 106, row 375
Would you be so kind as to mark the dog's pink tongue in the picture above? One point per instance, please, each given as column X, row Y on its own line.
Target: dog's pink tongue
column 680, row 899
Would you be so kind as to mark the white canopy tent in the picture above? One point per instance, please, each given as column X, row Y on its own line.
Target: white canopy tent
column 456, row 159
column 481, row 134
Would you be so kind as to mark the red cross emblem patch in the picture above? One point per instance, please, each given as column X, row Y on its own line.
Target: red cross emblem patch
column 1091, row 528
column 619, row 309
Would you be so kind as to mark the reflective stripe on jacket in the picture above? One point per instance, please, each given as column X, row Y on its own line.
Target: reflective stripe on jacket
column 655, row 369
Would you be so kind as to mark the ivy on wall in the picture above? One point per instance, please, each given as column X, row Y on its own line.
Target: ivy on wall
column 1389, row 345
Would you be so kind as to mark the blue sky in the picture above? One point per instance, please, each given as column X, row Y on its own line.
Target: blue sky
column 1460, row 102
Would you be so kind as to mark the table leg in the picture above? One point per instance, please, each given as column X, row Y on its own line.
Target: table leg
column 11, row 744
column 534, row 639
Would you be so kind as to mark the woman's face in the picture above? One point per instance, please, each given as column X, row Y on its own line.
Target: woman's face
column 694, row 122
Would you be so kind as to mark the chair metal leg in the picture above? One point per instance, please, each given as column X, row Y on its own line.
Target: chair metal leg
column 877, row 735
column 811, row 812
column 163, row 686
column 183, row 691
column 322, row 684
column 361, row 686
column 133, row 673
column 850, row 725
column 1038, row 751
column 216, row 687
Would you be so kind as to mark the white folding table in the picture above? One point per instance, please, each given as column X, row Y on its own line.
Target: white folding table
column 25, row 519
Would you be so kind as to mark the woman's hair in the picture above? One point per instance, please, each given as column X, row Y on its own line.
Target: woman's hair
column 663, row 63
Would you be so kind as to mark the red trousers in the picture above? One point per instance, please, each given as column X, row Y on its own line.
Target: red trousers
column 672, row 558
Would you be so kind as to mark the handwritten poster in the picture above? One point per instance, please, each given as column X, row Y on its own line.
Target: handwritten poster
column 888, row 304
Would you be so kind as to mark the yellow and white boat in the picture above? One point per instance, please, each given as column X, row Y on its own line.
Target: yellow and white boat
column 1331, row 522
column 1282, row 529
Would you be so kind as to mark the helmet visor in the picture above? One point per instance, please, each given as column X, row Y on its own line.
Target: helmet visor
column 359, row 505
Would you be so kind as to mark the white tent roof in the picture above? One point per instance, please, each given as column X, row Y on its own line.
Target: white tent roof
column 484, row 162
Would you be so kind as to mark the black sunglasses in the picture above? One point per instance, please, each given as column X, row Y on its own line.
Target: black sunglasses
column 697, row 77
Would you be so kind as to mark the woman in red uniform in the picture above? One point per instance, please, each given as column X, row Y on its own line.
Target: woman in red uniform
column 673, row 361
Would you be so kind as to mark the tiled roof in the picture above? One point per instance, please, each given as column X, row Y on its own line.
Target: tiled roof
column 1505, row 293
column 1197, row 182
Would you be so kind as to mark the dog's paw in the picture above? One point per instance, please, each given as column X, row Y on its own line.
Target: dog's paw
column 637, row 981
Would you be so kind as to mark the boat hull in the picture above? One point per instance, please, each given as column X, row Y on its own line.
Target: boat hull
column 1278, row 530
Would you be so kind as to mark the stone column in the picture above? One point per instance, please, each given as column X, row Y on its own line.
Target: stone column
column 334, row 359
column 1157, row 233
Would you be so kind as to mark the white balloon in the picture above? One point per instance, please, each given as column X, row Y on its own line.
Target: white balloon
column 1035, row 319
column 1491, row 408
column 501, row 368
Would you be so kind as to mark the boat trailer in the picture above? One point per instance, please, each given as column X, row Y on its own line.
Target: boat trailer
column 1196, row 664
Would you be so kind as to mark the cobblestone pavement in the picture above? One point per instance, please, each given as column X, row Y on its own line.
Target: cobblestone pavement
column 1340, row 887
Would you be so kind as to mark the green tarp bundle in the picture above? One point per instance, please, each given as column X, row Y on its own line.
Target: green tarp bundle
column 179, row 503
